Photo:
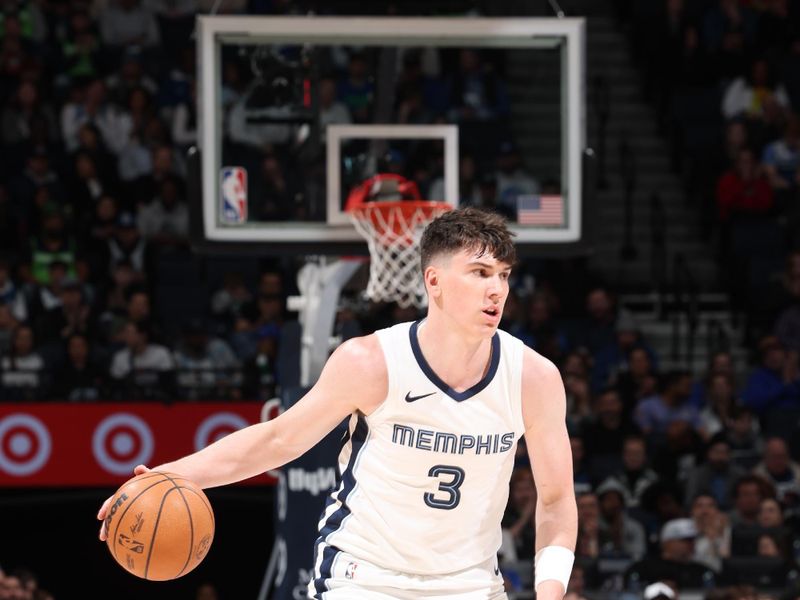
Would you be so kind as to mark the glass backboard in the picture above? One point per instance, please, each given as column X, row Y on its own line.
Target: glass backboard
column 296, row 111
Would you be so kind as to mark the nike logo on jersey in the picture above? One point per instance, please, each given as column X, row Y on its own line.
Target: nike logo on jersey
column 410, row 398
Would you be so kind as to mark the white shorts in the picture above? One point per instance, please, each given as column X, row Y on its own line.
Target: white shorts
column 352, row 578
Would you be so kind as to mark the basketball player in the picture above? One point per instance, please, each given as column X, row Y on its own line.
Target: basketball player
column 436, row 409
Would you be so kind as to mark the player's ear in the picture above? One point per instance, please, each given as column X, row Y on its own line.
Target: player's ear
column 431, row 277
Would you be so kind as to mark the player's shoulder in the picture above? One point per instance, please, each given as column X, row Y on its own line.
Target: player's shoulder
column 358, row 363
column 362, row 354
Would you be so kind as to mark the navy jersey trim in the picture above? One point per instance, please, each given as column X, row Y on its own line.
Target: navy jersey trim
column 437, row 381
column 335, row 520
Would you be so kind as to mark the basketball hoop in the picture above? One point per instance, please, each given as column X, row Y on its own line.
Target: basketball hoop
column 393, row 230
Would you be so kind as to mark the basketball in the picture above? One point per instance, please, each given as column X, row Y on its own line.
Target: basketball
column 160, row 526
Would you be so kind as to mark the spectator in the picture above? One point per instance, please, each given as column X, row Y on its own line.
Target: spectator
column 206, row 365
column 80, row 48
column 89, row 186
column 37, row 183
column 17, row 120
column 270, row 283
column 775, row 384
column 605, row 433
column 743, row 191
column 781, row 471
column 90, row 106
column 229, row 301
column 23, row 375
column 72, row 315
column 165, row 220
column 184, row 121
column 10, row 295
column 715, row 415
column 639, row 381
column 635, row 477
column 331, row 111
column 656, row 413
column 543, row 333
column 748, row 97
column 54, row 244
column 713, row 542
column 676, row 453
column 619, row 534
column 140, row 363
column 513, row 180
column 261, row 369
column 477, row 93
column 44, row 298
column 164, row 164
column 748, row 493
column 612, row 359
column 128, row 22
column 599, row 328
column 267, row 312
column 770, row 514
column 116, row 294
column 90, row 140
column 7, row 326
column 130, row 76
column 277, row 193
column 579, row 400
column 468, row 184
column 519, row 520
column 587, row 545
column 81, row 378
column 675, row 560
column 581, row 477
column 782, row 157
column 787, row 325
column 743, row 437
column 717, row 476
column 720, row 362
column 128, row 245
column 135, row 158
column 729, row 16
column 357, row 90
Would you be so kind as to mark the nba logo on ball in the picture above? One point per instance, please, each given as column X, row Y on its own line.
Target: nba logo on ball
column 233, row 184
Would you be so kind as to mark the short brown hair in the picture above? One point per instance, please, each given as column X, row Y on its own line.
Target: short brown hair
column 467, row 229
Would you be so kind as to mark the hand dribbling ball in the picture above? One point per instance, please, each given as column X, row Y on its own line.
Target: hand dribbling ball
column 160, row 526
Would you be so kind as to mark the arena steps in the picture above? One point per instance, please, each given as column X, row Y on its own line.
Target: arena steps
column 631, row 122
column 718, row 326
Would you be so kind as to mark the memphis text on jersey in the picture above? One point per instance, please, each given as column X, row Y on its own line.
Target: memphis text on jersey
column 450, row 443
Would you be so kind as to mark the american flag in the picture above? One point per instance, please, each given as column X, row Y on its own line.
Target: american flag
column 533, row 209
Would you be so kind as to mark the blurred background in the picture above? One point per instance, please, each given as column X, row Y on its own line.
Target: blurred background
column 676, row 324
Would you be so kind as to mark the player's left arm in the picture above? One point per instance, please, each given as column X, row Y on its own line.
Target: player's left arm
column 547, row 441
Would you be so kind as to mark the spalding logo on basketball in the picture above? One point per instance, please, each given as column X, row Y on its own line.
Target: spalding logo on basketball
column 160, row 526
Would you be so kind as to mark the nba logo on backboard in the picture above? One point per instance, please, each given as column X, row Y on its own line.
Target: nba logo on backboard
column 233, row 197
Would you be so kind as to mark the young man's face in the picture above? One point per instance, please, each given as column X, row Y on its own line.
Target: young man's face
column 472, row 289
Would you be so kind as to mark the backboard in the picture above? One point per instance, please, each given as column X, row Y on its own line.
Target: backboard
column 296, row 111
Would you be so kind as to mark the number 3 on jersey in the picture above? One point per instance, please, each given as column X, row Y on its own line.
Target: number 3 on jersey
column 454, row 477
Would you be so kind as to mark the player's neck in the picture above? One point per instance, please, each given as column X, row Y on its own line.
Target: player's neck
column 460, row 361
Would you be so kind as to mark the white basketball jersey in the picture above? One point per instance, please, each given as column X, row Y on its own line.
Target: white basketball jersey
column 425, row 477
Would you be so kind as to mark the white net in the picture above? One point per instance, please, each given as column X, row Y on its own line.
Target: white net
column 393, row 231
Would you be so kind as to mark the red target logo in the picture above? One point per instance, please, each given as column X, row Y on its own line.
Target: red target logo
column 25, row 444
column 216, row 427
column 121, row 441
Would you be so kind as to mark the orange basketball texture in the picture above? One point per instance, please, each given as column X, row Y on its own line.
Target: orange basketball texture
column 160, row 526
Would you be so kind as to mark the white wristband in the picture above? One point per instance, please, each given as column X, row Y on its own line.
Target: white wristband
column 553, row 562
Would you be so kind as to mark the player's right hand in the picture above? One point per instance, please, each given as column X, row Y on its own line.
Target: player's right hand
column 101, row 514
